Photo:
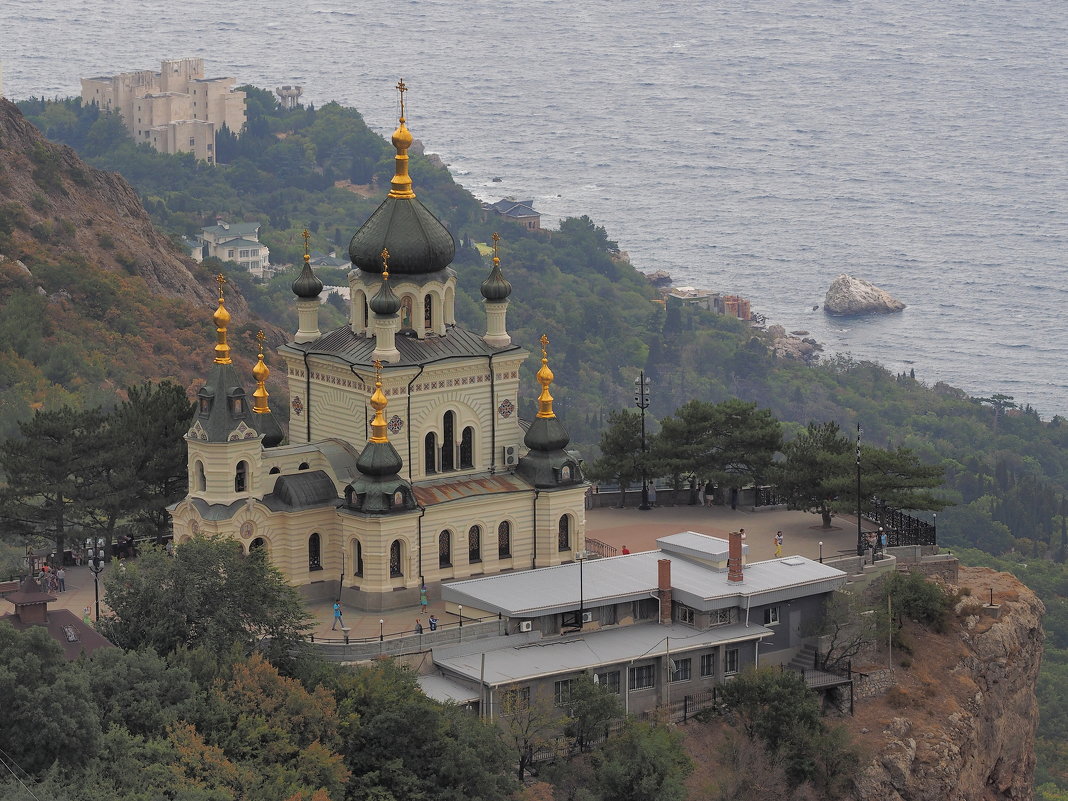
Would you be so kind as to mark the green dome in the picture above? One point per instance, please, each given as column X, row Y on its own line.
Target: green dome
column 417, row 242
column 496, row 286
column 307, row 286
column 385, row 301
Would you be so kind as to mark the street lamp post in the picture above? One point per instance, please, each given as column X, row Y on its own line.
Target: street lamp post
column 821, row 552
column 860, row 534
column 581, row 556
column 641, row 400
column 94, row 560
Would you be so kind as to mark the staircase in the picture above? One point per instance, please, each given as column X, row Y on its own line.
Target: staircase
column 805, row 659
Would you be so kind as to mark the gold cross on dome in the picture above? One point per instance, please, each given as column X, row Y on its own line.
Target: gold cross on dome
column 261, row 337
column 306, row 236
column 385, row 262
column 544, row 344
column 220, row 279
column 378, row 370
column 402, row 89
column 496, row 240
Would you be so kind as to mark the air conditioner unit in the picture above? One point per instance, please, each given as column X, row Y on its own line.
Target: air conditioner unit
column 587, row 617
column 526, row 625
column 510, row 455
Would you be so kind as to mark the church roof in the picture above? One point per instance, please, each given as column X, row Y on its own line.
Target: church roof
column 229, row 416
column 416, row 240
column 302, row 491
column 356, row 349
column 444, row 490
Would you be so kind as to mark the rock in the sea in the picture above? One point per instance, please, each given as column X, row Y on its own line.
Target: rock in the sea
column 849, row 295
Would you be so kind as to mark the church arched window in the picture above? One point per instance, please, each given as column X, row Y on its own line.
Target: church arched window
column 430, row 452
column 406, row 313
column 504, row 540
column 315, row 561
column 445, row 549
column 467, row 448
column 275, row 471
column 256, row 544
column 564, row 533
column 396, row 566
column 357, row 558
column 428, row 312
column 241, row 477
column 448, row 441
column 474, row 545
column 202, row 482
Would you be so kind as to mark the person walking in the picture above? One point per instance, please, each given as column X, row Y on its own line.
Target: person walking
column 778, row 543
column 418, row 626
column 625, row 550
column 61, row 577
column 423, row 600
column 337, row 616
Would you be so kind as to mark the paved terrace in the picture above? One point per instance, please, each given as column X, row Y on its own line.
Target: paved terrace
column 616, row 527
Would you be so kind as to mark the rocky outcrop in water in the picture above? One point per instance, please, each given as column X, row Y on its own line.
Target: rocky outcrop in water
column 849, row 296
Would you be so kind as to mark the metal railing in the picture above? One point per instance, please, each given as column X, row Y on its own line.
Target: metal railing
column 902, row 529
column 602, row 549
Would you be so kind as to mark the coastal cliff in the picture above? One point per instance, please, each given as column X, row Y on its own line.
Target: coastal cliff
column 959, row 722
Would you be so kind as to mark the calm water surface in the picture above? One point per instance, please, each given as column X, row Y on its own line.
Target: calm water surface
column 756, row 148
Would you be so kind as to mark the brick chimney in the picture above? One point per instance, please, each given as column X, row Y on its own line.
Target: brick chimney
column 31, row 603
column 663, row 589
column 734, row 556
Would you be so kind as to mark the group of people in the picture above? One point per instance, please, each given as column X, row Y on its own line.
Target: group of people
column 50, row 580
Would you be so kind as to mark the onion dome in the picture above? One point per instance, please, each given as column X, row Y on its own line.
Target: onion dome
column 385, row 302
column 307, row 286
column 417, row 240
column 379, row 457
column 496, row 286
column 222, row 320
column 261, row 373
column 547, row 465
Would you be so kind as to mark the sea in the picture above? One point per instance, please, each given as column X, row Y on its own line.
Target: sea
column 760, row 148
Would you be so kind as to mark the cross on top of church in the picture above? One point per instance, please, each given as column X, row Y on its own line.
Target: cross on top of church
column 496, row 240
column 307, row 236
column 402, row 89
column 385, row 262
column 220, row 279
column 544, row 344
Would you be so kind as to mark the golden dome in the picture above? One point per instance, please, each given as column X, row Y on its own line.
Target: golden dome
column 545, row 378
column 260, row 373
column 378, row 403
column 222, row 319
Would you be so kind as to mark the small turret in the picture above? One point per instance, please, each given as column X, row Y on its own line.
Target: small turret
column 547, row 464
column 385, row 305
column 496, row 289
column 307, row 288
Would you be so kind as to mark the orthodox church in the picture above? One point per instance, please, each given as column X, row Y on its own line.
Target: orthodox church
column 406, row 464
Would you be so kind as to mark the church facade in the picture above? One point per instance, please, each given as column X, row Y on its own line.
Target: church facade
column 406, row 464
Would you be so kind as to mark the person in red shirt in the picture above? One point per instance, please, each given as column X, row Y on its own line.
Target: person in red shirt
column 625, row 549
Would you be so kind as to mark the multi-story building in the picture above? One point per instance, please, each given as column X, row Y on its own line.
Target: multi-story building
column 176, row 110
column 237, row 242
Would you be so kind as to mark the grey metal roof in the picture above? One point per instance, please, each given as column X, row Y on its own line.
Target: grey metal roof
column 630, row 577
column 560, row 655
column 443, row 490
column 216, row 511
column 698, row 546
column 306, row 490
column 239, row 228
column 447, row 690
column 355, row 349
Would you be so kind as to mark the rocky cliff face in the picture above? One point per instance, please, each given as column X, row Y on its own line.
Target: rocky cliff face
column 959, row 724
column 848, row 295
column 67, row 208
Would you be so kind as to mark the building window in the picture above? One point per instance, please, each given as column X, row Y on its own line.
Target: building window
column 474, row 545
column 445, row 549
column 708, row 664
column 237, row 406
column 642, row 678
column 314, row 553
column 395, row 570
column 562, row 692
column 244, row 253
column 211, row 148
column 357, row 558
column 721, row 617
column 467, row 448
column 771, row 616
column 302, row 466
column 448, row 439
column 205, row 405
column 730, row 666
column 230, row 253
column 504, row 540
column 241, row 477
column 609, row 680
column 254, row 251
column 192, row 141
column 644, row 608
column 564, row 533
column 257, row 544
column 684, row 614
column 274, row 471
column 428, row 313
column 681, row 671
column 202, row 482
column 430, row 452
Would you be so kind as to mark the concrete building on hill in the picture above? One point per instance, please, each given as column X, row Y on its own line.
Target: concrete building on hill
column 176, row 110
column 406, row 464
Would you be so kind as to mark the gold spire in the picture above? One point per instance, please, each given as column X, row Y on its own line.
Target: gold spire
column 401, row 184
column 222, row 319
column 545, row 378
column 261, row 374
column 496, row 258
column 385, row 263
column 378, row 403
column 307, row 254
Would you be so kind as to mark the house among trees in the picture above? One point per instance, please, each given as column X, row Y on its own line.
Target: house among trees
column 517, row 211
column 405, row 464
column 237, row 242
column 654, row 627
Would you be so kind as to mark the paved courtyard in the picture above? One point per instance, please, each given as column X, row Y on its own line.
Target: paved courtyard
column 629, row 527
